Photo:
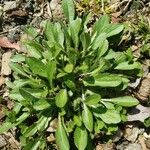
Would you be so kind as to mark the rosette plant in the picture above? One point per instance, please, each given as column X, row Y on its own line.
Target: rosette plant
column 71, row 74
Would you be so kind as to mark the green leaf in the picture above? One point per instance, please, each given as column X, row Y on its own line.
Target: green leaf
column 6, row 126
column 41, row 104
column 101, row 24
column 103, row 80
column 87, row 118
column 24, row 116
column 34, row 49
column 113, row 29
column 18, row 58
column 110, row 116
column 126, row 101
column 61, row 98
column 51, row 70
column 30, row 131
column 92, row 100
column 127, row 66
column 98, row 41
column 69, row 10
column 80, row 138
column 27, row 96
column 61, row 137
column 68, row 68
column 74, row 29
column 37, row 66
column 17, row 69
column 85, row 39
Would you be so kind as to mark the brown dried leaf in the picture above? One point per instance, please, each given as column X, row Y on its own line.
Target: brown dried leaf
column 5, row 43
column 5, row 70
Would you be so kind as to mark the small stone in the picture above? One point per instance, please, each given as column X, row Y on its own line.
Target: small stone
column 133, row 146
column 9, row 5
column 147, row 142
column 3, row 142
column 131, row 134
column 117, row 136
column 147, row 136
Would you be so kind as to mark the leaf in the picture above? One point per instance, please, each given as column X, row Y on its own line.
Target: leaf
column 27, row 96
column 99, row 41
column 17, row 69
column 80, row 138
column 30, row 131
column 51, row 70
column 41, row 104
column 18, row 58
column 61, row 137
column 92, row 100
column 103, row 80
column 85, row 40
column 127, row 66
column 61, row 98
column 69, row 10
column 87, row 118
column 34, row 49
column 113, row 29
column 6, row 126
column 111, row 116
column 74, row 29
column 68, row 68
column 101, row 24
column 126, row 101
column 102, row 48
column 37, row 66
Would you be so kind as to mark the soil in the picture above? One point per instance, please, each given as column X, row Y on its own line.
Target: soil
column 15, row 15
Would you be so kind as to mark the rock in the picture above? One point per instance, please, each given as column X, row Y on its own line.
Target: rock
column 107, row 146
column 122, row 145
column 54, row 3
column 147, row 136
column 3, row 142
column 117, row 136
column 9, row 5
column 133, row 146
column 139, row 113
column 147, row 142
column 131, row 134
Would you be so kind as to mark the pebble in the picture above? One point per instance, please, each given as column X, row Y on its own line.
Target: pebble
column 8, row 5
column 132, row 134
column 2, row 142
column 133, row 146
column 117, row 136
column 147, row 142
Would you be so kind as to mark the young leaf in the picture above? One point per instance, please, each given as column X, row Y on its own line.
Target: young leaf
column 68, row 8
column 103, row 80
column 61, row 98
column 34, row 49
column 101, row 24
column 61, row 136
column 37, row 66
column 92, row 100
column 74, row 31
column 80, row 138
column 111, row 116
column 41, row 104
column 51, row 70
column 127, row 66
column 30, row 131
column 113, row 29
column 17, row 69
column 87, row 118
column 6, row 126
column 126, row 101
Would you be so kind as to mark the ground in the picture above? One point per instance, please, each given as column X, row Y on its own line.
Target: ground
column 16, row 15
